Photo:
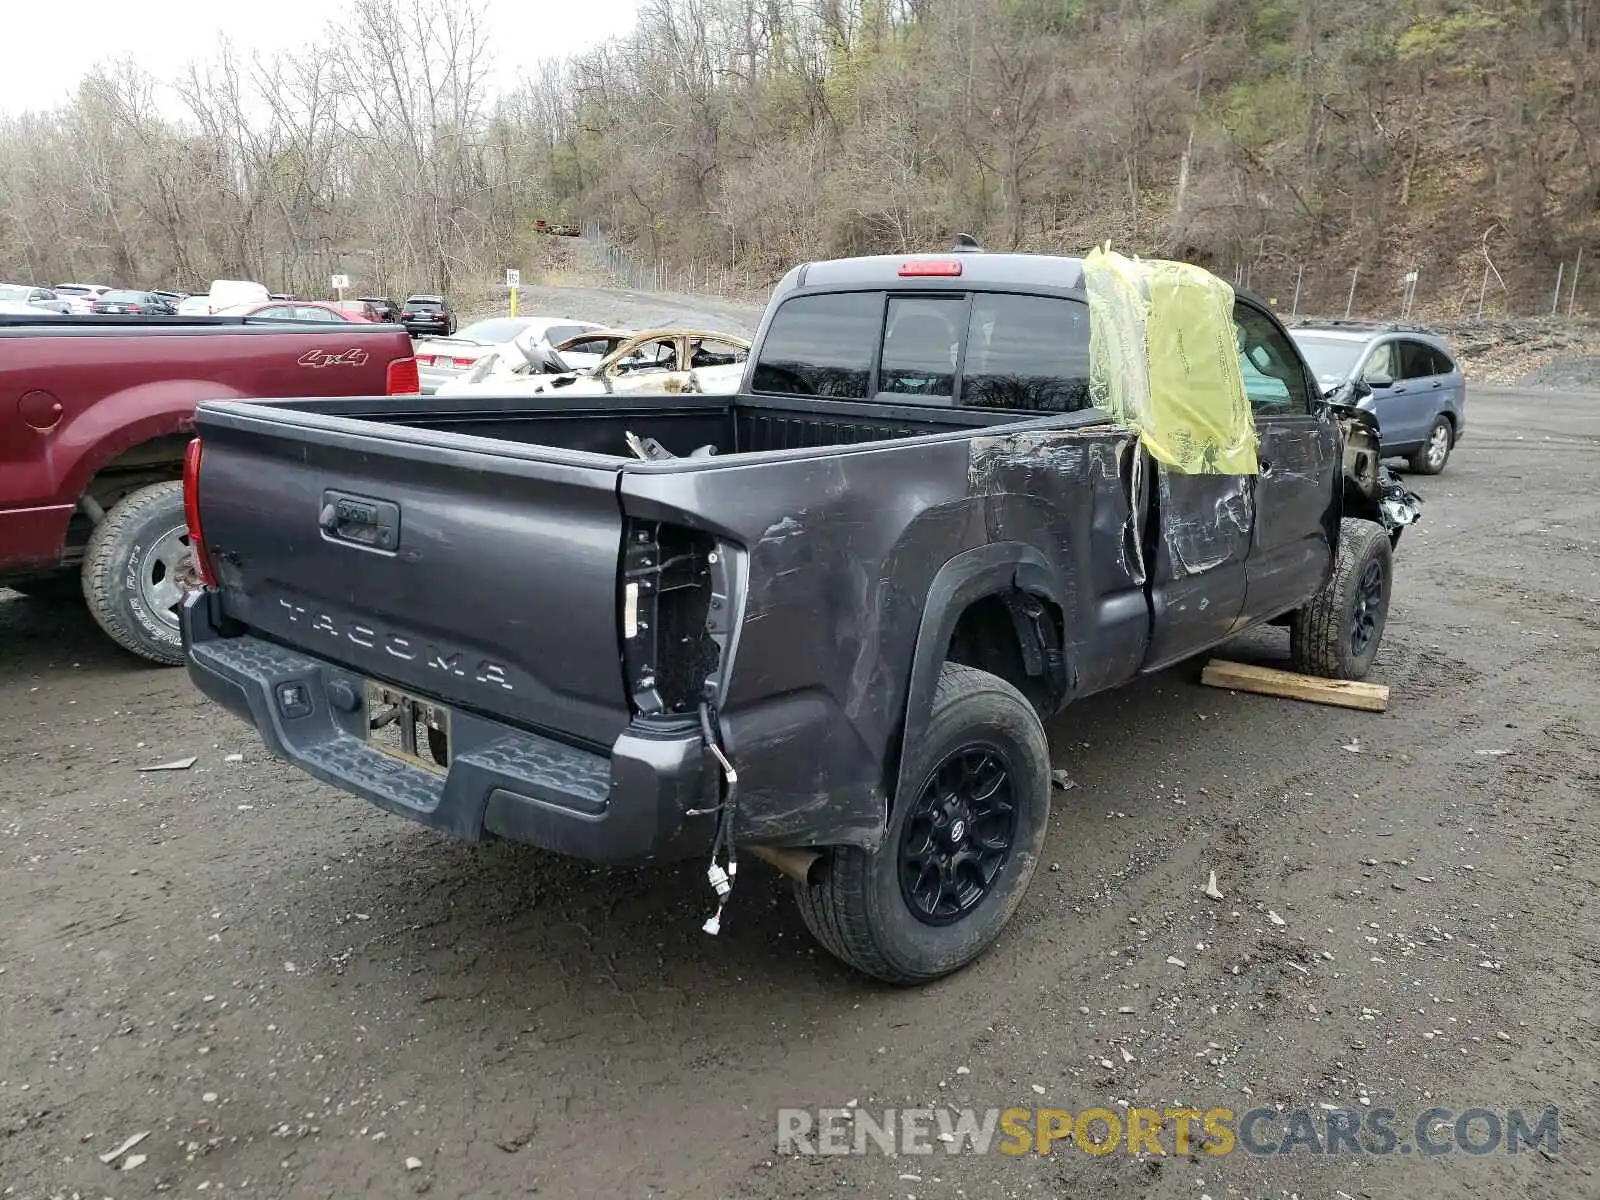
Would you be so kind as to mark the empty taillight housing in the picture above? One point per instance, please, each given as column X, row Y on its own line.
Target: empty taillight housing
column 672, row 611
column 191, row 514
column 403, row 379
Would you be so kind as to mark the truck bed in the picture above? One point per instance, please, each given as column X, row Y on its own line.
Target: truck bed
column 512, row 560
column 682, row 424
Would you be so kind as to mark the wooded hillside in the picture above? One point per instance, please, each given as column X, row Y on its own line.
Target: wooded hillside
column 1255, row 136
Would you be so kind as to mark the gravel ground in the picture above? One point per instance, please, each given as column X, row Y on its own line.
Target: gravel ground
column 295, row 995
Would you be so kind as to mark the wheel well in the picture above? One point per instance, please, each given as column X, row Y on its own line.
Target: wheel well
column 1450, row 419
column 155, row 461
column 995, row 634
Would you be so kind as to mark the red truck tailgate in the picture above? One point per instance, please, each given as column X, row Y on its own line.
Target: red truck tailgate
column 75, row 394
column 422, row 560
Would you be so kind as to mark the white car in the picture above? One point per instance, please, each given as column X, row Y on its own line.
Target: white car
column 22, row 293
column 195, row 306
column 443, row 360
column 81, row 296
column 231, row 293
column 613, row 361
column 21, row 308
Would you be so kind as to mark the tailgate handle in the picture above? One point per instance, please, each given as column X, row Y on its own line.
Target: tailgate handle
column 360, row 520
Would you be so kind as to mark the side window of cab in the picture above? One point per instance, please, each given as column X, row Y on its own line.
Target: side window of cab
column 1274, row 377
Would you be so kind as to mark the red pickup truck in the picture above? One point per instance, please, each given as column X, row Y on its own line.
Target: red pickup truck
column 95, row 413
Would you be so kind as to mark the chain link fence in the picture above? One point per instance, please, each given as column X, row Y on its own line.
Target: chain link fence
column 1308, row 290
column 1416, row 294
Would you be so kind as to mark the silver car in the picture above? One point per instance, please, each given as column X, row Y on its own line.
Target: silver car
column 1410, row 378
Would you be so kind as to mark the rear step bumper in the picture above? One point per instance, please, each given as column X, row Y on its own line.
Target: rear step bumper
column 627, row 807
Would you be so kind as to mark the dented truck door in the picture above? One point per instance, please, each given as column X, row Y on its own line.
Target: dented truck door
column 1201, row 542
column 1296, row 500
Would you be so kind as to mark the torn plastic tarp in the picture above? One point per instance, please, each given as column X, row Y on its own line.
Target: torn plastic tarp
column 1164, row 357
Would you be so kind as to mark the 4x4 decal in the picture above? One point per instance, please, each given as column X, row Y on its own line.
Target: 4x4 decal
column 353, row 357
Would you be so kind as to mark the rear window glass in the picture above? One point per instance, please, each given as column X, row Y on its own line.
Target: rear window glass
column 126, row 297
column 1028, row 353
column 425, row 305
column 820, row 346
column 922, row 340
column 555, row 334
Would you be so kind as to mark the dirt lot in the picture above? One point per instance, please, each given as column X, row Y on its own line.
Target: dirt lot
column 293, row 993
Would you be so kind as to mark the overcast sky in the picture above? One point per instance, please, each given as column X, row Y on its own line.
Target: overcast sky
column 51, row 46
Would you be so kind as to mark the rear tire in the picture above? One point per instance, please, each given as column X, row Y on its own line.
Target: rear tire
column 1338, row 632
column 135, row 571
column 961, row 845
column 1432, row 455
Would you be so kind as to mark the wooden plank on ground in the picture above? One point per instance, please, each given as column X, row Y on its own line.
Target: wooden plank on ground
column 1346, row 693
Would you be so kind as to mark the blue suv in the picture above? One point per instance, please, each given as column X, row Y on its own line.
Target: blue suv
column 1417, row 390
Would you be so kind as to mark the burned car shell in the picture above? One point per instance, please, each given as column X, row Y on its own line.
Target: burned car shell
column 616, row 370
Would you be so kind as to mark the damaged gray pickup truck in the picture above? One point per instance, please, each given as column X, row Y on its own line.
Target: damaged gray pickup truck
column 821, row 621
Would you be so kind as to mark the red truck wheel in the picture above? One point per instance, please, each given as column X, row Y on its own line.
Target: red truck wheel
column 134, row 570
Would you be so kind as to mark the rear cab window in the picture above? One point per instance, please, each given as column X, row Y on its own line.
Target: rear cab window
column 821, row 345
column 1027, row 353
column 983, row 350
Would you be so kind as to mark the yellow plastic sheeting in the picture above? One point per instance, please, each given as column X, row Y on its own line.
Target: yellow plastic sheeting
column 1164, row 356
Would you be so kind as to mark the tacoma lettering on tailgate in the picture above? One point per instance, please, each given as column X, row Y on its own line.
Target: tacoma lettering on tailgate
column 451, row 662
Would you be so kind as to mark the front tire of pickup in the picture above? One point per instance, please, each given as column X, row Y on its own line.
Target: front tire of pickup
column 134, row 572
column 960, row 848
column 1338, row 632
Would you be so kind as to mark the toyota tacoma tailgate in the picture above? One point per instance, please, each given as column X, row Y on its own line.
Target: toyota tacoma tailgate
column 422, row 563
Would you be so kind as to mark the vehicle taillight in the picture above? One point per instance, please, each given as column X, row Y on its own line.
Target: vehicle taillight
column 406, row 316
column 191, row 514
column 403, row 379
column 464, row 363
